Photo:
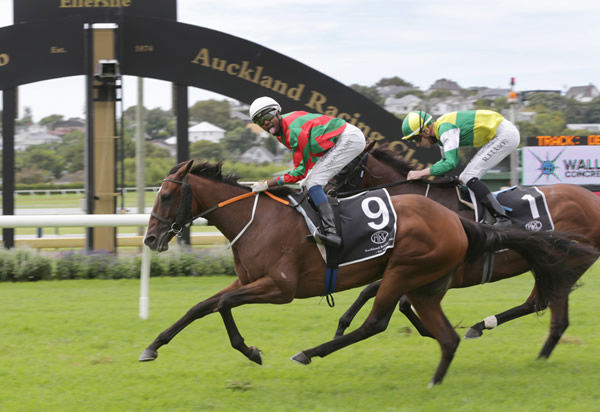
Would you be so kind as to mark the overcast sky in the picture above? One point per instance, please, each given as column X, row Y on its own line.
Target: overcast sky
column 544, row 44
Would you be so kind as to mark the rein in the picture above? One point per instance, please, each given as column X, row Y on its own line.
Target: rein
column 184, row 219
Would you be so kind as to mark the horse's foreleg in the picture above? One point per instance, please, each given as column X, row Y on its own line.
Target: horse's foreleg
column 262, row 290
column 529, row 306
column 559, row 322
column 364, row 296
column 200, row 310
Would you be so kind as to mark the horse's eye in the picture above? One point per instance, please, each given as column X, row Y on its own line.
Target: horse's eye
column 165, row 196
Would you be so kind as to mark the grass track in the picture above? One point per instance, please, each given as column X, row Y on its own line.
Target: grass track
column 73, row 346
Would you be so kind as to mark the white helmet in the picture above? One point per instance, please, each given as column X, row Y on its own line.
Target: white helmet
column 261, row 105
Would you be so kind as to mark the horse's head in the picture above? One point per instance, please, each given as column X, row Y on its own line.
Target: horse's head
column 172, row 209
column 349, row 178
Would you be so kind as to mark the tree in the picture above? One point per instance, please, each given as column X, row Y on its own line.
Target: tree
column 393, row 81
column 239, row 140
column 213, row 111
column 41, row 157
column 551, row 123
column 541, row 102
column 51, row 120
column 157, row 123
column 205, row 150
column 370, row 93
column 414, row 92
column 271, row 144
column 32, row 175
column 27, row 119
column 71, row 150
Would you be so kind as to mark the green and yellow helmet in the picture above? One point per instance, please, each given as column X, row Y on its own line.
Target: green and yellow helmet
column 414, row 123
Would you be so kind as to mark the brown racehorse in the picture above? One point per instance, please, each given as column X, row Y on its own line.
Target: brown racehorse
column 275, row 263
column 574, row 210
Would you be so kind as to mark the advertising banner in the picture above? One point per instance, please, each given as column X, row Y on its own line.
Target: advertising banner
column 545, row 165
column 96, row 11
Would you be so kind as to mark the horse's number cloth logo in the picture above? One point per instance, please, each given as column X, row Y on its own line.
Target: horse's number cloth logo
column 368, row 223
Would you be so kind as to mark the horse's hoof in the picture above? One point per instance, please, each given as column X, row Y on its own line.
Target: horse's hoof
column 473, row 333
column 148, row 355
column 301, row 357
column 255, row 355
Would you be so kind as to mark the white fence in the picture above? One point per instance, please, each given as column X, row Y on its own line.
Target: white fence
column 76, row 191
column 129, row 219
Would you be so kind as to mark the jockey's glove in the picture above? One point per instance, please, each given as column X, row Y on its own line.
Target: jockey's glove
column 260, row 186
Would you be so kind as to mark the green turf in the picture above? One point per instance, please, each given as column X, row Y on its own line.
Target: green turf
column 73, row 346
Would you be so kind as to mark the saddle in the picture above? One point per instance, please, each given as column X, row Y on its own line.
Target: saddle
column 525, row 206
column 366, row 222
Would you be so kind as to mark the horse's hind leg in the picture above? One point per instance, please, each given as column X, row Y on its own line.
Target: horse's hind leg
column 376, row 322
column 364, row 296
column 405, row 307
column 559, row 322
column 236, row 339
column 433, row 318
column 491, row 322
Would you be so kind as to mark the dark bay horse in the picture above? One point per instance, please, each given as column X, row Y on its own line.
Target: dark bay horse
column 574, row 210
column 275, row 263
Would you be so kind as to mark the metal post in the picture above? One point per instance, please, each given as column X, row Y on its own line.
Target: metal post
column 183, row 145
column 140, row 156
column 145, row 284
column 514, row 156
column 9, row 114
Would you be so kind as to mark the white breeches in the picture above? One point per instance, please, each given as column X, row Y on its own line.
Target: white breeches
column 349, row 145
column 506, row 140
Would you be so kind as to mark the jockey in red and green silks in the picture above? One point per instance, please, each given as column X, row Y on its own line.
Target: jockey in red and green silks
column 321, row 146
column 309, row 136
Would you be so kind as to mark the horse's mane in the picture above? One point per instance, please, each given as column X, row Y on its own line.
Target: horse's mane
column 214, row 171
column 387, row 157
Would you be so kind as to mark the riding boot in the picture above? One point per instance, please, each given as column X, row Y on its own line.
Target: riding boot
column 327, row 232
column 489, row 201
column 496, row 209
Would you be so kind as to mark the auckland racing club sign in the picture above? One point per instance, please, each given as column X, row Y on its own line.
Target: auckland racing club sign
column 544, row 165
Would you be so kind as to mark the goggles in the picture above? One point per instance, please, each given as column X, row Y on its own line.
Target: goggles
column 261, row 118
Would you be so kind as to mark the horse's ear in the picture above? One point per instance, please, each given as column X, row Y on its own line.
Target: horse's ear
column 184, row 169
column 188, row 166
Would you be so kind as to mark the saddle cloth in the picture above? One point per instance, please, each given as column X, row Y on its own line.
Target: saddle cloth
column 525, row 206
column 366, row 222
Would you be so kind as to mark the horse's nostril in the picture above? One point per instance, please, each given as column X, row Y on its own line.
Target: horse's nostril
column 149, row 240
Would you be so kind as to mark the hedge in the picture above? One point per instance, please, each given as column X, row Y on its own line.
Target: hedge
column 22, row 265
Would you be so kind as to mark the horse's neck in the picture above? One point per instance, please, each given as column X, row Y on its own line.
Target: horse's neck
column 231, row 218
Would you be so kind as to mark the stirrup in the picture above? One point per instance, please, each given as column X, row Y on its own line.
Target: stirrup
column 502, row 221
column 336, row 242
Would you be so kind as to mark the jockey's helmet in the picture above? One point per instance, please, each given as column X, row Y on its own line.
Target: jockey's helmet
column 261, row 106
column 414, row 123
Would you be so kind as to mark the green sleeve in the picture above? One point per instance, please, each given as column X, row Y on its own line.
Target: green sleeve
column 448, row 162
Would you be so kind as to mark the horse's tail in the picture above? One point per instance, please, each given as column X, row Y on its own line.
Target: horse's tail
column 557, row 260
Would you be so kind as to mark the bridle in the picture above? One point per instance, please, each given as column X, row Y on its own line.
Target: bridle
column 184, row 218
